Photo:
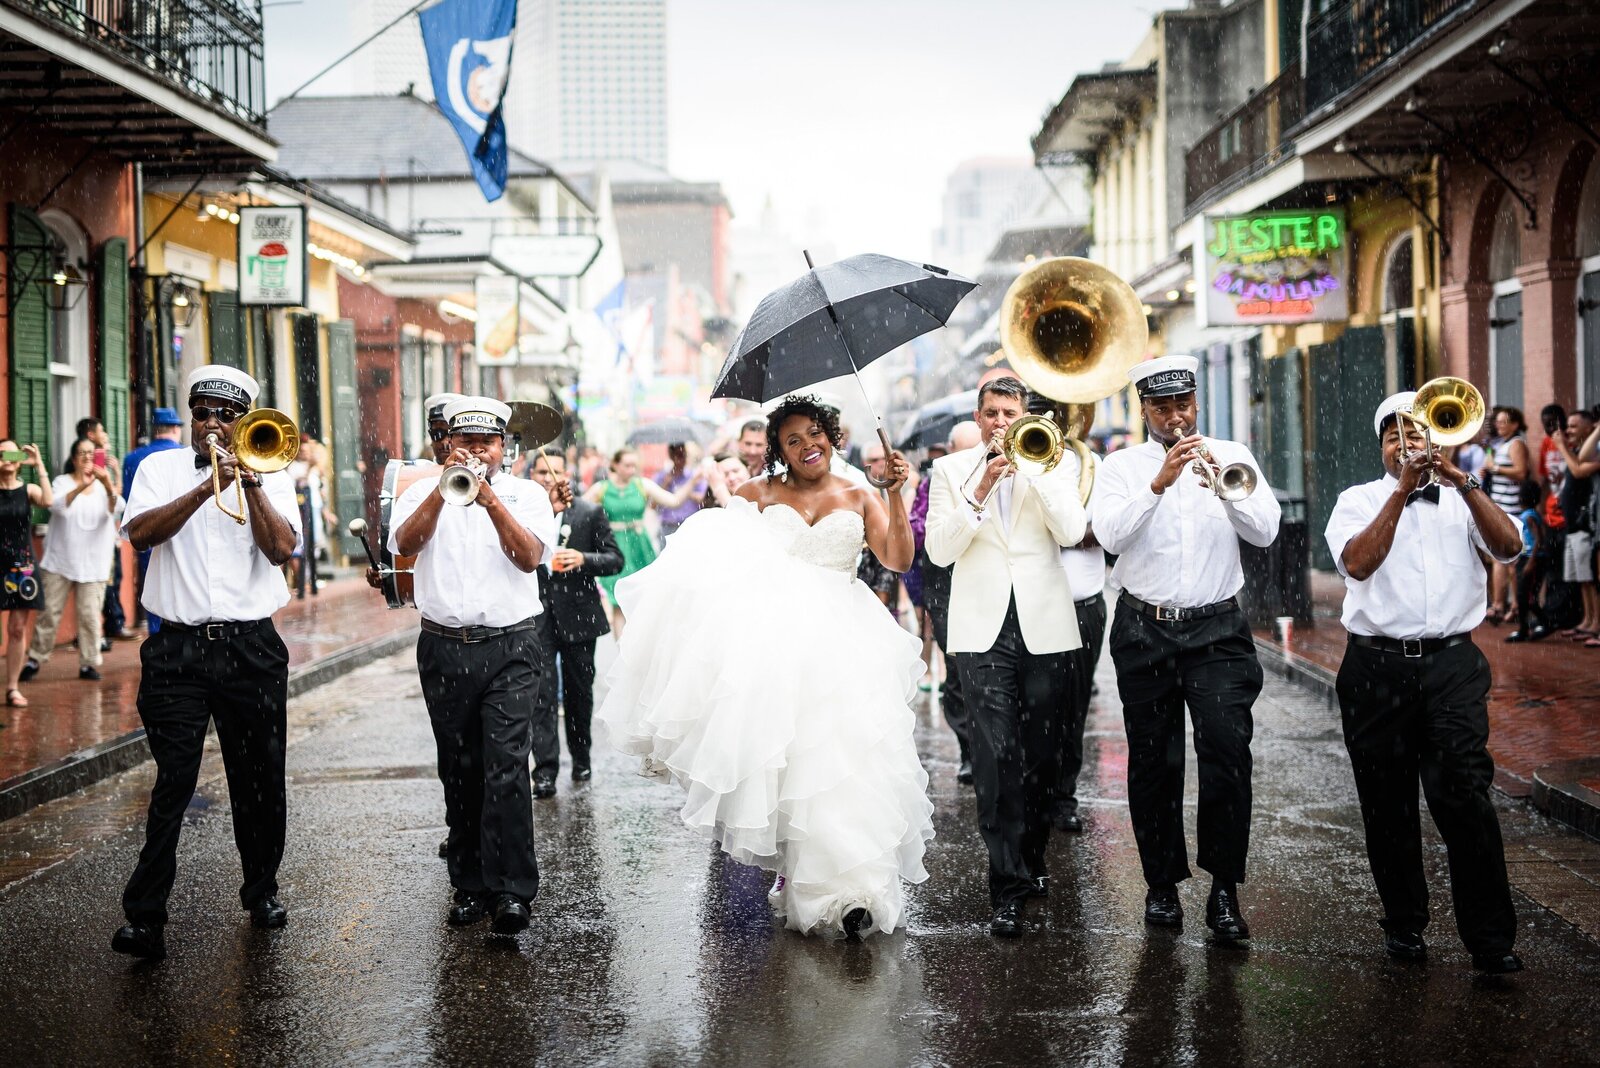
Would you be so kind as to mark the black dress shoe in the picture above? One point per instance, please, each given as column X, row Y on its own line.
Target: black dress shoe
column 1039, row 886
column 1162, row 907
column 1497, row 963
column 88, row 674
column 29, row 670
column 856, row 921
column 963, row 773
column 268, row 913
column 1223, row 915
column 468, row 909
column 444, row 847
column 1007, row 921
column 510, row 915
column 140, row 940
column 1516, row 636
column 544, row 788
column 582, row 774
column 1405, row 945
column 1071, row 823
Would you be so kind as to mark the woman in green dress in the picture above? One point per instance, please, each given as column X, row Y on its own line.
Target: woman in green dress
column 626, row 498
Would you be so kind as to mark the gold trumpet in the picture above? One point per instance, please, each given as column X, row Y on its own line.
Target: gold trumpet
column 1232, row 483
column 264, row 441
column 1070, row 329
column 1449, row 412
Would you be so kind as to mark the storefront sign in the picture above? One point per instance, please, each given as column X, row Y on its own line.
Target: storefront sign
column 1274, row 267
column 499, row 319
column 545, row 255
column 272, row 255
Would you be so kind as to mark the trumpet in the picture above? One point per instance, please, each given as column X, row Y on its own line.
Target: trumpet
column 458, row 483
column 264, row 441
column 1232, row 483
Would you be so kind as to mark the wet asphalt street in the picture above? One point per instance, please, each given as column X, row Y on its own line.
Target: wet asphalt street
column 648, row 948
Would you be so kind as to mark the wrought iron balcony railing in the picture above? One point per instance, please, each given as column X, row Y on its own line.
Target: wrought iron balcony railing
column 1353, row 40
column 1247, row 139
column 210, row 48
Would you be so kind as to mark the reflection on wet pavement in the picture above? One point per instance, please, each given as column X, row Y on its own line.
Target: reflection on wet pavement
column 649, row 947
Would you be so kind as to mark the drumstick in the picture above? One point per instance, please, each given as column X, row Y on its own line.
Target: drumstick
column 358, row 527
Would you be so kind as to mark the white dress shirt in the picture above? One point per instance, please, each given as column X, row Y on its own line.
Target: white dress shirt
column 1179, row 548
column 463, row 578
column 210, row 571
column 1431, row 585
column 1086, row 568
column 82, row 534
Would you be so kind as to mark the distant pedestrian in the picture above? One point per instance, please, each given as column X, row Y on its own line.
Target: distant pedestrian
column 1531, row 567
column 678, row 473
column 77, row 554
column 1508, row 464
column 167, row 429
column 114, row 623
column 20, row 593
column 753, row 447
column 1579, row 507
column 215, row 584
column 1413, row 687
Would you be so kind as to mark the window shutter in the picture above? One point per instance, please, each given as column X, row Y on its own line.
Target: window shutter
column 30, row 336
column 227, row 339
column 111, row 313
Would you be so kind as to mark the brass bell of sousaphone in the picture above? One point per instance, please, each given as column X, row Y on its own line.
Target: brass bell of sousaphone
column 264, row 440
column 1070, row 329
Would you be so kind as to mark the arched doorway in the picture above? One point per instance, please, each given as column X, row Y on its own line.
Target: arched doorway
column 1588, row 252
column 71, row 395
column 1398, row 316
column 1505, row 309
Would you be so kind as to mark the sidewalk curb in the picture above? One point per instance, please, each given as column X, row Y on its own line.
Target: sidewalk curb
column 87, row 766
column 1298, row 670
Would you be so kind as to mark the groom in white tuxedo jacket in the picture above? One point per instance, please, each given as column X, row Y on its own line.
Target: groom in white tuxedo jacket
column 1012, row 622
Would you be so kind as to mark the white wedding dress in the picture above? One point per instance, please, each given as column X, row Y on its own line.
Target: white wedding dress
column 775, row 690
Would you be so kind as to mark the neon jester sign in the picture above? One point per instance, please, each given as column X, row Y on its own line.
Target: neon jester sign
column 1275, row 267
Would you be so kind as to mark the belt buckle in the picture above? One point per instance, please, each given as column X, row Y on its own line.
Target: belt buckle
column 213, row 637
column 1411, row 647
column 1169, row 614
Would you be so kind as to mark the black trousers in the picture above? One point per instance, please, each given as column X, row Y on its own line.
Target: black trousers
column 1426, row 718
column 1016, row 703
column 1080, row 686
column 1211, row 666
column 241, row 682
column 952, row 702
column 112, row 618
column 481, row 698
column 576, row 691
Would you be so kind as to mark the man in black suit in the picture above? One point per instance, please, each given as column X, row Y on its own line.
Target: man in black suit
column 573, row 620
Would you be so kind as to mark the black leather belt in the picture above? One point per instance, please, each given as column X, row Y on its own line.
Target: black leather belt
column 468, row 635
column 212, row 632
column 1169, row 614
column 1093, row 597
column 1410, row 647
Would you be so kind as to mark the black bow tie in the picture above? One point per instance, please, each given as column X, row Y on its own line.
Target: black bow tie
column 1429, row 494
column 201, row 461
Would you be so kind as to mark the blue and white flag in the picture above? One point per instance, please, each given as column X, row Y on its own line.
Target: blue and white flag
column 469, row 57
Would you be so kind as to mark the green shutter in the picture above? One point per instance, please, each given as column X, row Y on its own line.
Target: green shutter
column 111, row 313
column 224, row 319
column 30, row 335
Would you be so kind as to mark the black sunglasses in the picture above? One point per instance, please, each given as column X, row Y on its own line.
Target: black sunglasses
column 438, row 435
column 224, row 415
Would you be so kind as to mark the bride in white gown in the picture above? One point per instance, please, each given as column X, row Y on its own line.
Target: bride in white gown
column 799, row 757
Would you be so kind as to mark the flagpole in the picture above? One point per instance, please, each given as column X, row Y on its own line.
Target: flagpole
column 401, row 18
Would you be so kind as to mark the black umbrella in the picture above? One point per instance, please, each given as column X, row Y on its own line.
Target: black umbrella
column 834, row 320
column 674, row 431
column 934, row 421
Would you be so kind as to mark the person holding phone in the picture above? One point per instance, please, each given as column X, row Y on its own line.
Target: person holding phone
column 114, row 621
column 82, row 537
column 20, row 594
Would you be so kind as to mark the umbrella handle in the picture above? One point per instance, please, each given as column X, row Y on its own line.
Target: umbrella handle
column 882, row 483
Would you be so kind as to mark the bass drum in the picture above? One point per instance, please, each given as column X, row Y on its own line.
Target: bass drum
column 395, row 571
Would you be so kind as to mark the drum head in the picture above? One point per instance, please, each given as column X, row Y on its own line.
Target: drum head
column 398, row 476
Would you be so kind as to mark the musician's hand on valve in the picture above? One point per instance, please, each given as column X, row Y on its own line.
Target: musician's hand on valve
column 1184, row 451
column 458, row 456
column 1413, row 472
column 1448, row 471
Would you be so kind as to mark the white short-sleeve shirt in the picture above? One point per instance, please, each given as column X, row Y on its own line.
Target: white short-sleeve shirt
column 211, row 570
column 82, row 534
column 463, row 578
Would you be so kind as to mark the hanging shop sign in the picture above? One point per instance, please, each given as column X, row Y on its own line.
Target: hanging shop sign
column 498, row 297
column 1275, row 267
column 272, row 256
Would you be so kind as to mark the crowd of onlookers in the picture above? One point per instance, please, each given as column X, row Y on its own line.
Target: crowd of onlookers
column 1551, row 590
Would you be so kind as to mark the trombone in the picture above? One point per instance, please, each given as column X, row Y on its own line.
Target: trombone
column 264, row 441
column 1449, row 411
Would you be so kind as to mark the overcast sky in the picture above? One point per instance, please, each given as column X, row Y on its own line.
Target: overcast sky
column 848, row 113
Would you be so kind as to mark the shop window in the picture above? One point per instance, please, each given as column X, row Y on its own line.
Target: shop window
column 1505, row 310
column 1398, row 316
